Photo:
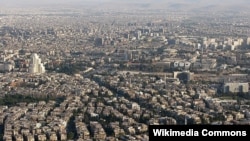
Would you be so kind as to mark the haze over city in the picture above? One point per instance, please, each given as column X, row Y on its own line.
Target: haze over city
column 161, row 4
column 87, row 70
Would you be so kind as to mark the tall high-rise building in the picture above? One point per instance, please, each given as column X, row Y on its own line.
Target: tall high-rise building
column 35, row 64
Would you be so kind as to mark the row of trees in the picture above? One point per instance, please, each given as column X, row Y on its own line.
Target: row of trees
column 67, row 67
column 13, row 100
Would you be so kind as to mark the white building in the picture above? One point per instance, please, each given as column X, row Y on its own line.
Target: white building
column 35, row 64
column 236, row 87
column 248, row 41
column 6, row 67
column 182, row 65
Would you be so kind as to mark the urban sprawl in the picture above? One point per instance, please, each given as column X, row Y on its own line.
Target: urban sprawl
column 104, row 75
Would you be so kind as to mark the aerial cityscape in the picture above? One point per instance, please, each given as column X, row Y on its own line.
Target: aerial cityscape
column 98, row 70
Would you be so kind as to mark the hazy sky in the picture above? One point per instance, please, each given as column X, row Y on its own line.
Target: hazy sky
column 128, row 3
column 70, row 1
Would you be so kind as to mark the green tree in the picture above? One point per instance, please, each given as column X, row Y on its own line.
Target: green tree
column 70, row 136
